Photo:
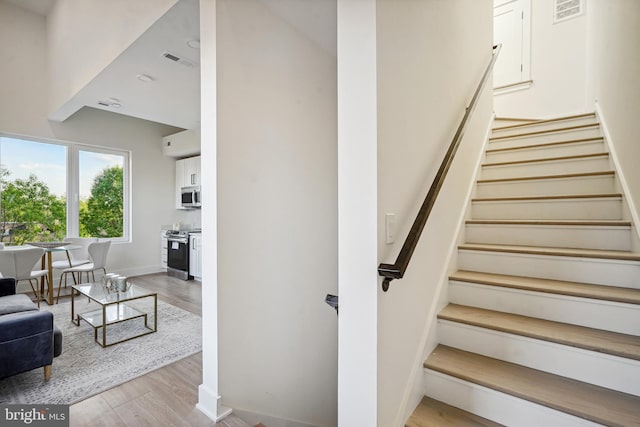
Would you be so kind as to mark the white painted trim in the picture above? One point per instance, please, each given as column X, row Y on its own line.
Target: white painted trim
column 494, row 405
column 208, row 398
column 254, row 418
column 358, row 283
column 604, row 370
column 501, row 90
column 416, row 380
column 608, row 140
column 209, row 404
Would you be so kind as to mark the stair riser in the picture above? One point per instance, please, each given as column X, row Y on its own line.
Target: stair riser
column 546, row 168
column 523, row 141
column 574, row 149
column 583, row 237
column 576, row 269
column 496, row 406
column 547, row 187
column 594, row 209
column 604, row 370
column 589, row 120
column 592, row 313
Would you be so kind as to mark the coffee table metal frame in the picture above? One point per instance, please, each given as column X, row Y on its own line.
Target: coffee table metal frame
column 113, row 309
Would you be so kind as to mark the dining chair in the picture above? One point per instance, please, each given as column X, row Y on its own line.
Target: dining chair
column 21, row 264
column 98, row 252
column 76, row 257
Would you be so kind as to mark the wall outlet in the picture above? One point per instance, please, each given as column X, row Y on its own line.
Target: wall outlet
column 390, row 227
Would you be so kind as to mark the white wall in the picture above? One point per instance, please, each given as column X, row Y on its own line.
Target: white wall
column 357, row 218
column 613, row 72
column 431, row 56
column 558, row 68
column 87, row 35
column 23, row 112
column 277, row 219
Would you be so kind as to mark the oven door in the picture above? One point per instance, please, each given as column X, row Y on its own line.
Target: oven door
column 178, row 258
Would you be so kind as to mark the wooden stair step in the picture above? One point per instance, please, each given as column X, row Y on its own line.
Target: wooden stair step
column 558, row 287
column 433, row 413
column 548, row 159
column 541, row 122
column 564, row 197
column 545, row 145
column 544, row 177
column 580, row 399
column 597, row 340
column 564, row 252
column 544, row 132
column 549, row 222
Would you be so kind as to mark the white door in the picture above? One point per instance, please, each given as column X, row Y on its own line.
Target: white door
column 511, row 28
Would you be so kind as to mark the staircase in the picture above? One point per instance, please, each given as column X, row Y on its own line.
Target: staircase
column 543, row 322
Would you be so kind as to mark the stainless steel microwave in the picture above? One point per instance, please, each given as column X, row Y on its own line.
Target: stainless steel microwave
column 191, row 197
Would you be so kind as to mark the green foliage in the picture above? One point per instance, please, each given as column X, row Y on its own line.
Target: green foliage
column 29, row 212
column 101, row 215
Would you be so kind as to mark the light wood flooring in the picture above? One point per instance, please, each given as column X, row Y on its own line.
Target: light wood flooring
column 164, row 397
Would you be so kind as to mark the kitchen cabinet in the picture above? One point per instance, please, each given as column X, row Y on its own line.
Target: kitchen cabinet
column 163, row 249
column 195, row 255
column 187, row 175
column 181, row 144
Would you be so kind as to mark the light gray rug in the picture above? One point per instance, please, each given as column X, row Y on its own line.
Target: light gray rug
column 85, row 368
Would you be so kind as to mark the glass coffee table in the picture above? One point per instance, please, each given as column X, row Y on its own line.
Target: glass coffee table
column 114, row 307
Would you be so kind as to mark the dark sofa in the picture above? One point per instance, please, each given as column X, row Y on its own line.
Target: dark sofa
column 28, row 337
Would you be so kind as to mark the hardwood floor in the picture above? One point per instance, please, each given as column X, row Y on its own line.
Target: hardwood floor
column 164, row 397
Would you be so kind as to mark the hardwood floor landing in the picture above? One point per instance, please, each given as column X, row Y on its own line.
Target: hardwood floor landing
column 164, row 397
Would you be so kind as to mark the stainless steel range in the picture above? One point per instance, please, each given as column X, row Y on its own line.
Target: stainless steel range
column 178, row 254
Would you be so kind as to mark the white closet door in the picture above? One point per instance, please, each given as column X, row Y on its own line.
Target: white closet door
column 511, row 28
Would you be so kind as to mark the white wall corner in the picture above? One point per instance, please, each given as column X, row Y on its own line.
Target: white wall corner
column 610, row 144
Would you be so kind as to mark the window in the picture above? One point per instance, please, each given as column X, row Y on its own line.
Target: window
column 52, row 190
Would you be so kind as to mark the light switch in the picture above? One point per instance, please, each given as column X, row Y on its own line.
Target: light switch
column 390, row 227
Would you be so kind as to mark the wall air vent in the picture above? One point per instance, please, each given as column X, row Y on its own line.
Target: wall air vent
column 179, row 60
column 567, row 9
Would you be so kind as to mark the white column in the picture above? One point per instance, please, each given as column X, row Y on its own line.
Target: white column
column 357, row 213
column 208, row 399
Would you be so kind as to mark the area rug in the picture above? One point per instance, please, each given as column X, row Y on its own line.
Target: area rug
column 85, row 368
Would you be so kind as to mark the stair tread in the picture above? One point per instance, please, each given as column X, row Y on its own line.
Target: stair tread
column 541, row 250
column 546, row 144
column 542, row 132
column 583, row 400
column 560, row 287
column 548, row 177
column 433, row 413
column 543, row 121
column 561, row 197
column 553, row 222
column 601, row 341
column 547, row 159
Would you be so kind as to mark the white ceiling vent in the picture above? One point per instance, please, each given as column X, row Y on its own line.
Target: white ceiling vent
column 567, row 9
column 179, row 60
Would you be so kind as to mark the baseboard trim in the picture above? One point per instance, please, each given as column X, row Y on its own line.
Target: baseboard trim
column 608, row 140
column 255, row 418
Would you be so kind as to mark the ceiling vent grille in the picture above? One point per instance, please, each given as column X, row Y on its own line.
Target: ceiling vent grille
column 179, row 60
column 567, row 9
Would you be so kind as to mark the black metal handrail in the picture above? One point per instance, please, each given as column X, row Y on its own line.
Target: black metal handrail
column 397, row 270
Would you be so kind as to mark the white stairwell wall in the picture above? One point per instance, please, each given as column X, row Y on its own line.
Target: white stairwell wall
column 538, row 249
column 431, row 56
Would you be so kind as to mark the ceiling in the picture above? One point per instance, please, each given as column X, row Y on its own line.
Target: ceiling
column 173, row 95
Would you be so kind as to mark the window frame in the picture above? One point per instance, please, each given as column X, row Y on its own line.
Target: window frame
column 73, row 182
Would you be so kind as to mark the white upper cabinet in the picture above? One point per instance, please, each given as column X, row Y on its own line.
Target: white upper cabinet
column 187, row 175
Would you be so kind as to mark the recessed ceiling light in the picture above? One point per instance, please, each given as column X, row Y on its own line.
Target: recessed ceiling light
column 145, row 78
column 116, row 105
column 193, row 44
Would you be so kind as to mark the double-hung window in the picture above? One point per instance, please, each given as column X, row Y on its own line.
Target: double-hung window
column 50, row 190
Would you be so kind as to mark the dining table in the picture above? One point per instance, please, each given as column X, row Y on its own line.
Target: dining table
column 47, row 259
